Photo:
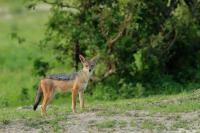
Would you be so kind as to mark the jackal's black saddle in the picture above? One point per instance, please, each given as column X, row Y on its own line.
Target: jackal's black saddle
column 62, row 76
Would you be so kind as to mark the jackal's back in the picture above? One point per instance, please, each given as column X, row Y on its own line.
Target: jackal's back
column 62, row 76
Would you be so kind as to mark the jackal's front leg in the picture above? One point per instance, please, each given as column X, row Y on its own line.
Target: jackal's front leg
column 81, row 99
column 44, row 105
column 74, row 94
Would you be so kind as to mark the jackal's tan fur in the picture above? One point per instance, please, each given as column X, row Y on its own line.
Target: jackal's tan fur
column 48, row 86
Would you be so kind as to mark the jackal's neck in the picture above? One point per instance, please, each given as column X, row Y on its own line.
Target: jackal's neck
column 85, row 75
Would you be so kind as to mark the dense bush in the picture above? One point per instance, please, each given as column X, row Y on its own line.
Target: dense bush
column 146, row 47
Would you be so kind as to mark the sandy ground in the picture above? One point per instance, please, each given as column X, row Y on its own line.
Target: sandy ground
column 88, row 122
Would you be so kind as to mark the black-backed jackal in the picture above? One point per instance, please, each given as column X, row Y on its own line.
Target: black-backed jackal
column 76, row 83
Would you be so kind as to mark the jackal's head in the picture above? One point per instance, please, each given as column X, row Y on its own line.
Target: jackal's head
column 88, row 65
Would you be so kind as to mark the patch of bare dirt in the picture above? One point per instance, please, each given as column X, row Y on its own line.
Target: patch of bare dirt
column 135, row 121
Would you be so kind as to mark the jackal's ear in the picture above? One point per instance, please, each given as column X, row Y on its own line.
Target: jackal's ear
column 95, row 59
column 83, row 60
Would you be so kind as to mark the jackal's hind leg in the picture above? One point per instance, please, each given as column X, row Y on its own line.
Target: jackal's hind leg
column 44, row 105
column 81, row 99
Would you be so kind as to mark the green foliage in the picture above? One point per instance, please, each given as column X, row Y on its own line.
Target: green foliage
column 4, row 102
column 151, row 46
column 102, row 92
column 24, row 95
column 5, row 122
column 126, row 90
column 40, row 67
column 146, row 47
column 129, row 90
column 139, row 63
column 139, row 90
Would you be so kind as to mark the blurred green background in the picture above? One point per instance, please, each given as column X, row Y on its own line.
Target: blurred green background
column 20, row 32
column 145, row 47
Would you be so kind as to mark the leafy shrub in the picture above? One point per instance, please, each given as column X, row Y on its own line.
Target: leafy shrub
column 153, row 47
column 126, row 90
column 139, row 90
column 130, row 90
column 4, row 102
column 102, row 92
column 24, row 95
column 5, row 121
column 40, row 67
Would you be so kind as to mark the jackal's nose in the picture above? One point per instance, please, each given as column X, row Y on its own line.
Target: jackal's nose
column 90, row 70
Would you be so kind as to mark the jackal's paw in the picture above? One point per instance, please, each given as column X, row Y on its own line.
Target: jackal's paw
column 43, row 114
column 82, row 108
column 74, row 111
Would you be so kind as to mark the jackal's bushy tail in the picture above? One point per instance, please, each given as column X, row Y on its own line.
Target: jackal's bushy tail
column 37, row 98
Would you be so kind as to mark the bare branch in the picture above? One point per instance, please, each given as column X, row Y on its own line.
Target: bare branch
column 111, row 70
column 122, row 28
column 171, row 43
column 103, row 31
column 106, row 75
column 113, row 39
column 173, row 40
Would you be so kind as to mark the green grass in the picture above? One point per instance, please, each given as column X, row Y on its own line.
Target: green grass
column 31, row 117
column 111, row 124
column 111, row 121
column 133, row 123
column 106, row 124
column 112, row 108
column 175, row 103
column 39, row 123
column 149, row 124
column 181, row 124
column 122, row 123
column 17, row 58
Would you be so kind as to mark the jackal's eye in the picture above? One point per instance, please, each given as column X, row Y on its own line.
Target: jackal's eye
column 86, row 65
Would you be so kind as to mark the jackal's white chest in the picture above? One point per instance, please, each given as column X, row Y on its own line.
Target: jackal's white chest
column 84, row 85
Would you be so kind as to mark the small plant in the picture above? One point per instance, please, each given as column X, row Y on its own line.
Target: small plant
column 132, row 123
column 139, row 90
column 19, row 39
column 106, row 124
column 40, row 67
column 24, row 95
column 55, row 126
column 107, row 113
column 149, row 124
column 122, row 124
column 5, row 121
column 4, row 102
column 91, row 123
column 102, row 92
column 181, row 124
